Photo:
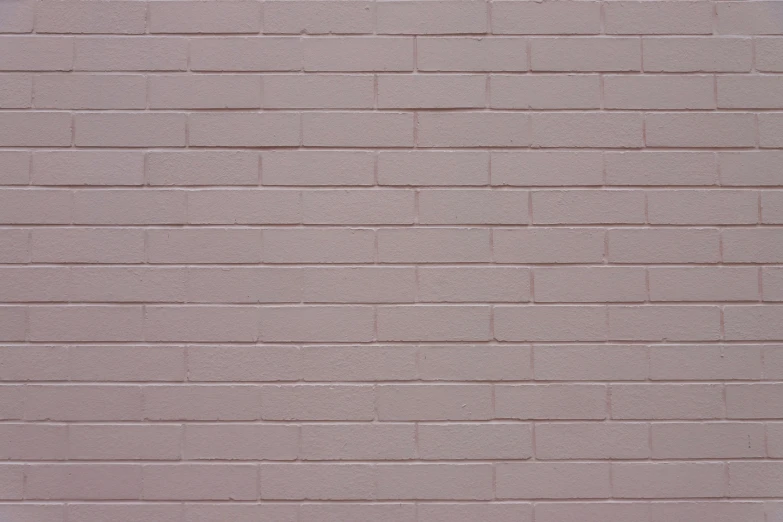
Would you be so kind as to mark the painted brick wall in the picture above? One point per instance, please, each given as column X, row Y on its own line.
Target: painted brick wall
column 320, row 261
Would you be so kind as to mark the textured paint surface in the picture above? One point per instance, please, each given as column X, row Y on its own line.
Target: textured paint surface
column 399, row 261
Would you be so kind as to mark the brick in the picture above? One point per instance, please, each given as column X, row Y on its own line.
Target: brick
column 586, row 206
column 12, row 402
column 247, row 512
column 15, row 167
column 433, row 245
column 200, row 323
column 85, row 323
column 86, row 167
column 768, row 57
column 587, row 130
column 540, row 18
column 549, row 480
column 322, row 245
column 16, row 91
column 131, row 54
column 246, row 54
column 441, row 17
column 547, row 168
column 200, row 482
column 498, row 512
column 667, row 401
column 435, row 481
column 659, row 18
column 705, row 362
column 90, row 91
column 545, row 91
column 700, row 130
column 686, row 207
column 703, row 284
column 757, row 245
column 669, row 480
column 240, row 442
column 35, row 129
column 129, row 130
column 590, row 362
column 204, row 17
column 433, row 323
column 510, row 441
column 770, row 127
column 773, row 361
column 126, row 363
column 753, row 401
column 431, row 91
column 34, row 363
column 586, row 54
column 755, row 479
column 659, row 92
column 203, row 168
column 90, row 17
column 295, row 17
column 185, row 246
column 14, row 322
column 548, row 245
column 698, row 54
column 243, row 363
column 433, row 168
column 317, row 481
column 359, row 363
column 308, row 91
column 772, row 207
column 473, row 284
column 711, row 510
column 250, row 207
column 359, row 285
column 34, row 53
column 550, row 323
column 204, row 92
column 124, row 442
column 128, row 207
column 29, row 512
column 244, row 285
column 25, row 283
column 491, row 129
column 22, row 206
column 124, row 512
column 590, row 285
column 774, row 434
column 550, row 401
column 772, row 283
column 419, row 402
column 358, row 129
column 758, row 18
column 83, row 481
column 663, row 245
column 472, row 54
column 387, row 207
column 34, row 441
column 106, row 284
column 708, row 440
column 17, row 17
column 365, row 54
column 446, row 207
column 661, row 168
column 244, row 129
column 616, row 440
column 664, row 323
column 317, row 323
column 83, row 403
column 202, row 403
column 15, row 246
column 467, row 363
column 318, row 402
column 388, row 441
column 749, row 92
column 317, row 168
column 592, row 512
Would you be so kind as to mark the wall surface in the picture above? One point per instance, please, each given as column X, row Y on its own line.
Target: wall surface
column 321, row 261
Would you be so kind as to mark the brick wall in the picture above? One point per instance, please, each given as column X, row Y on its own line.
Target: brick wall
column 312, row 261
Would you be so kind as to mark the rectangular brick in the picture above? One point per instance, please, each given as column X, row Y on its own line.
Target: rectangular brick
column 473, row 284
column 708, row 440
column 358, row 129
column 246, row 207
column 359, row 285
column 15, row 167
column 321, row 245
column 551, row 401
column 129, row 207
column 205, row 91
column 244, row 363
column 370, row 207
column 704, row 284
column 131, row 54
column 752, row 245
column 586, row 54
column 90, row 91
column 470, row 206
column 86, row 323
column 35, row 53
column 548, row 480
column 440, row 17
column 669, row 480
column 202, row 403
column 200, row 482
column 659, row 92
column 365, row 54
column 319, row 91
column 661, row 168
column 664, row 323
column 479, row 363
column 509, row 441
column 203, row 245
column 90, row 18
column 545, row 91
column 124, row 442
column 17, row 91
column 235, row 167
column 547, row 168
column 587, row 130
column 246, row 54
column 548, row 245
column 433, row 168
column 244, row 129
column 435, row 481
column 388, row 441
column 129, row 130
column 83, row 403
column 659, row 18
column 757, row 18
column 326, row 17
column 317, row 168
column 200, row 323
column 244, row 285
column 491, row 129
column 550, row 323
column 359, row 363
column 317, row 481
column 550, row 18
column 697, row 54
column 24, row 206
column 83, row 481
column 86, row 167
column 753, row 401
column 589, row 285
column 434, row 245
column 595, row 440
column 431, row 91
column 700, row 130
column 588, row 207
column 663, row 245
column 318, row 402
column 317, row 323
column 240, row 442
column 472, row 54
column 35, row 129
column 204, row 17
column 590, row 362
column 433, row 323
column 434, row 403
column 667, row 401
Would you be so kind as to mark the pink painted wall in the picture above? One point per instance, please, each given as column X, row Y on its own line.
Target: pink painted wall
column 391, row 261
